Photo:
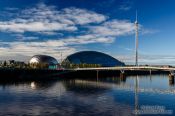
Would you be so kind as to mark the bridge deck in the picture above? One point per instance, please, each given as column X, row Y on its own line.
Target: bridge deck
column 128, row 68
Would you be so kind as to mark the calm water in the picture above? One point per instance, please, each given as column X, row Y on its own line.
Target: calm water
column 112, row 96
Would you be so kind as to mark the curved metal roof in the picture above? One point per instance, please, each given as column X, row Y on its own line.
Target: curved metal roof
column 93, row 57
column 43, row 59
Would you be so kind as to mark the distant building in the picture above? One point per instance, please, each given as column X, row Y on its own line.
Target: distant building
column 12, row 64
column 43, row 62
column 91, row 59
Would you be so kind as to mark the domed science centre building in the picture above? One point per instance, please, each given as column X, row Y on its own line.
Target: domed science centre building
column 43, row 62
column 91, row 59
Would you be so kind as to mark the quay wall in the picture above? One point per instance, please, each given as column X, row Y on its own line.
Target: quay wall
column 42, row 74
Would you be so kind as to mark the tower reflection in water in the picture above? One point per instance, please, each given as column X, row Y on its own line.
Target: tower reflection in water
column 136, row 94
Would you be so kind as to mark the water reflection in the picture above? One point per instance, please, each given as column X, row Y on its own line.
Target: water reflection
column 87, row 96
column 136, row 94
column 33, row 85
column 171, row 80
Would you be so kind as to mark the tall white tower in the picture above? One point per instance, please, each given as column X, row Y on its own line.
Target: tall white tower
column 136, row 41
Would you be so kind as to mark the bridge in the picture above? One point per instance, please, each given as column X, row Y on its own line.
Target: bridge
column 124, row 69
column 128, row 68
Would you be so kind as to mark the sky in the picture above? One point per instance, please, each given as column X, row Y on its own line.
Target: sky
column 55, row 27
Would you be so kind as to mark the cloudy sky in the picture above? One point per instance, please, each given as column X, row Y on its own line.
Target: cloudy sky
column 52, row 27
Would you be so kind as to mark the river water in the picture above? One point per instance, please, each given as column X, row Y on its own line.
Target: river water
column 112, row 96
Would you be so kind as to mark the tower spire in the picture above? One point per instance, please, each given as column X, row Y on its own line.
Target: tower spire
column 136, row 15
column 136, row 40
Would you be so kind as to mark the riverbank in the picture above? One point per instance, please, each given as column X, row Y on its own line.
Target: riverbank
column 43, row 74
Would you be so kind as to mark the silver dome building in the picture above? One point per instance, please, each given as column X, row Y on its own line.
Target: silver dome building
column 43, row 62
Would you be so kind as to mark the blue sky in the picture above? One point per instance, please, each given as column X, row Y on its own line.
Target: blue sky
column 51, row 27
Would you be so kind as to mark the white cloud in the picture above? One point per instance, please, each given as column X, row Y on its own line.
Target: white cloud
column 89, row 38
column 80, row 16
column 50, row 33
column 49, row 47
column 29, row 49
column 114, row 28
column 148, row 59
column 14, row 26
column 44, row 18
